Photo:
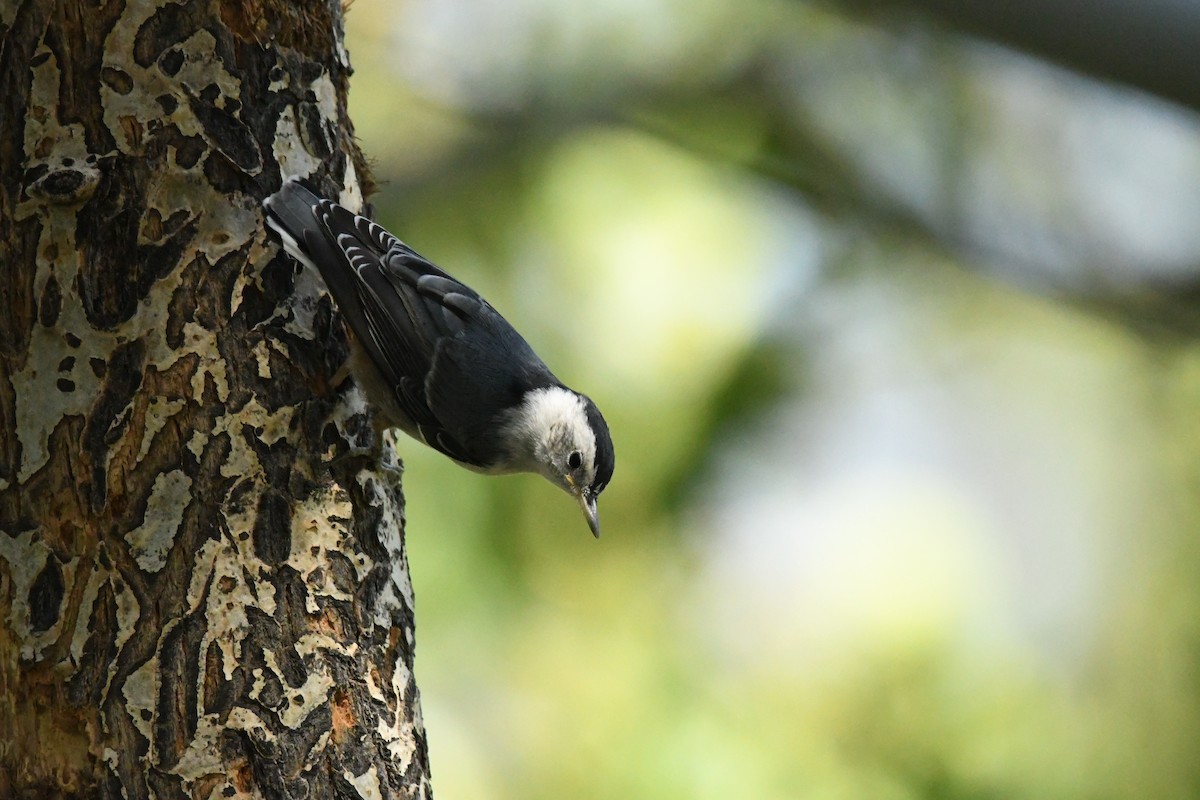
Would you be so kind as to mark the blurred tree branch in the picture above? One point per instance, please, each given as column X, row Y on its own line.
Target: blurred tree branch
column 1147, row 46
column 1150, row 45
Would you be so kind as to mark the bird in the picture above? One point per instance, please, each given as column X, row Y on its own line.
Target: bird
column 437, row 361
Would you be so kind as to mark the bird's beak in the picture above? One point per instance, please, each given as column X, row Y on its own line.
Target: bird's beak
column 587, row 502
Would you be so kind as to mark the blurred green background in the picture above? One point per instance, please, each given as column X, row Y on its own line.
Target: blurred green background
column 895, row 331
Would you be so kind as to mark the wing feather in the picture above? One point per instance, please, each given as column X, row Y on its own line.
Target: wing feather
column 453, row 364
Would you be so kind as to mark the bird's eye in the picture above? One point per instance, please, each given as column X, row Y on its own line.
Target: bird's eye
column 575, row 459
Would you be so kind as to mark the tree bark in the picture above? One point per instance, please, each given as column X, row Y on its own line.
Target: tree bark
column 203, row 586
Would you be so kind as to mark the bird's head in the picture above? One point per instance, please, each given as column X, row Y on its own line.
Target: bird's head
column 572, row 447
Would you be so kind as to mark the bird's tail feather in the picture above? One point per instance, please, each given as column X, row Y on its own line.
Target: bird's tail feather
column 290, row 216
column 299, row 217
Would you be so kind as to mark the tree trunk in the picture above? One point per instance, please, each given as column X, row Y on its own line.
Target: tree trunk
column 203, row 585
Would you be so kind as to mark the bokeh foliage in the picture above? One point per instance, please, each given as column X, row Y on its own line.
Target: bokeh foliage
column 894, row 332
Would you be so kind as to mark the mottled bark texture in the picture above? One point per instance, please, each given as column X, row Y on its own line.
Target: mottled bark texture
column 203, row 585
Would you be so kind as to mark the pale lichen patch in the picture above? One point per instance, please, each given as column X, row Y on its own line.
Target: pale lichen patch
column 374, row 689
column 197, row 442
column 296, row 156
column 48, row 141
column 219, row 579
column 398, row 592
column 294, row 159
column 112, row 760
column 43, row 394
column 80, row 633
column 145, row 84
column 262, row 690
column 319, row 642
column 319, row 528
column 203, row 754
column 150, row 542
column 351, row 194
column 25, row 555
column 203, row 67
column 41, row 403
column 202, row 341
column 307, row 698
column 242, row 462
column 140, row 691
column 399, row 732
column 367, row 784
column 270, row 427
column 128, row 616
column 303, row 306
column 260, row 686
column 280, row 78
column 158, row 411
column 318, row 746
column 347, row 415
column 262, row 356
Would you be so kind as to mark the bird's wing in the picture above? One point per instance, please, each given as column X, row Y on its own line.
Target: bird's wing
column 454, row 364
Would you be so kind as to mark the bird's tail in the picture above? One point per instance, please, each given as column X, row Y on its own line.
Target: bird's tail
column 290, row 215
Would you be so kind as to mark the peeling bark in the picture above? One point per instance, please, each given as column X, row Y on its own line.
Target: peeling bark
column 204, row 591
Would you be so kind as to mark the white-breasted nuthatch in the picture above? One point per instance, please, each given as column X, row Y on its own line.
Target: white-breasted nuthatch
column 437, row 361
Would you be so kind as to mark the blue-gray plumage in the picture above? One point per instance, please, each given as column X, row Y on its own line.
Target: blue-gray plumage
column 437, row 361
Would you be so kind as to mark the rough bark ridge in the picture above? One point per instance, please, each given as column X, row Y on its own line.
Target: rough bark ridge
column 189, row 605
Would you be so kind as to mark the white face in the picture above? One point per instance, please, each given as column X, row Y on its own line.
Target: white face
column 564, row 443
column 553, row 437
